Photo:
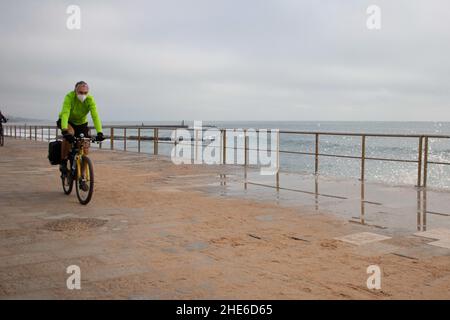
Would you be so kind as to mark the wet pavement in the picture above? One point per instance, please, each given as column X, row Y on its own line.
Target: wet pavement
column 181, row 233
column 400, row 209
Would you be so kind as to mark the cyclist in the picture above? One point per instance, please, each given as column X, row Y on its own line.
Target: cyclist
column 2, row 119
column 73, row 119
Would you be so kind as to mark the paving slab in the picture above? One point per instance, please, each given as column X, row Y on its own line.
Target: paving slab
column 441, row 244
column 438, row 233
column 362, row 238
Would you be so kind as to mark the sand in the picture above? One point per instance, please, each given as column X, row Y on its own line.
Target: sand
column 149, row 234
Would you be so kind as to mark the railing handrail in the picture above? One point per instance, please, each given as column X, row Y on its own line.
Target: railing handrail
column 422, row 150
column 322, row 133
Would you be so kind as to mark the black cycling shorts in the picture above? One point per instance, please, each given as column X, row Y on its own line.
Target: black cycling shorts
column 79, row 129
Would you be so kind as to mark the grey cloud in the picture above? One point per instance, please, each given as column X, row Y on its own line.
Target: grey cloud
column 229, row 60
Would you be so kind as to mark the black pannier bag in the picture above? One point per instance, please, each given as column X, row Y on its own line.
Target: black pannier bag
column 54, row 152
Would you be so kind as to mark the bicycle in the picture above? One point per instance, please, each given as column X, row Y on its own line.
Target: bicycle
column 80, row 172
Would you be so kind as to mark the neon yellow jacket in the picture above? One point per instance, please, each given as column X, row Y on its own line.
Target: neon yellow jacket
column 75, row 111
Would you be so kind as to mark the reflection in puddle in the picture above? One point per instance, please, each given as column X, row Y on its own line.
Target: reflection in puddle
column 403, row 209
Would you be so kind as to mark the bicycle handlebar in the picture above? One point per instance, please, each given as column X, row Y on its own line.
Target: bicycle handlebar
column 91, row 139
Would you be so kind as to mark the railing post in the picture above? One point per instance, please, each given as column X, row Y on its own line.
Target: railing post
column 419, row 162
column 363, row 157
column 235, row 147
column 35, row 133
column 56, row 133
column 196, row 145
column 112, row 139
column 139, row 140
column 316, row 163
column 245, row 148
column 224, row 146
column 245, row 157
column 15, row 132
column 155, row 141
column 31, row 133
column 278, row 159
column 42, row 133
column 125, row 139
column 48, row 133
column 425, row 163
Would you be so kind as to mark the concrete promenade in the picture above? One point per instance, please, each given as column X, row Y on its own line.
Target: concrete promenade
column 155, row 230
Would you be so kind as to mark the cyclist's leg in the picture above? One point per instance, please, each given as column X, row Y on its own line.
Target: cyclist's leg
column 65, row 146
column 65, row 149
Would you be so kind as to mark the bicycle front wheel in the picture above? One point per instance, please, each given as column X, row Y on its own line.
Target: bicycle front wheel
column 67, row 182
column 84, row 184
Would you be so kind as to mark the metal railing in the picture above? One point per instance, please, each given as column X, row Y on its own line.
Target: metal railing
column 423, row 151
column 422, row 161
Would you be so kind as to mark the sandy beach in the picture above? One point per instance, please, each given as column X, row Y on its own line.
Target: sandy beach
column 150, row 233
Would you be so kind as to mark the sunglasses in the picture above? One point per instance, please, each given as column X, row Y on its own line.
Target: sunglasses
column 80, row 92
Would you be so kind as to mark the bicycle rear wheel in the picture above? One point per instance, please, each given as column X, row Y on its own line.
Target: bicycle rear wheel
column 85, row 182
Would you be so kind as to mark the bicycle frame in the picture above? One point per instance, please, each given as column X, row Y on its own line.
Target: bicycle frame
column 77, row 155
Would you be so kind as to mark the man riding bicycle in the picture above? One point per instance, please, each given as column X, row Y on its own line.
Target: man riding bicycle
column 73, row 119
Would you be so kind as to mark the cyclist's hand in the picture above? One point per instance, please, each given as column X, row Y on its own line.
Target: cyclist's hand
column 100, row 137
column 68, row 137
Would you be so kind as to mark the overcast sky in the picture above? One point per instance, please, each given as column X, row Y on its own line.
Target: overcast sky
column 229, row 59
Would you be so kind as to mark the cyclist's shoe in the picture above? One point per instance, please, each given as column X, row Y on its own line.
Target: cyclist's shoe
column 84, row 185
